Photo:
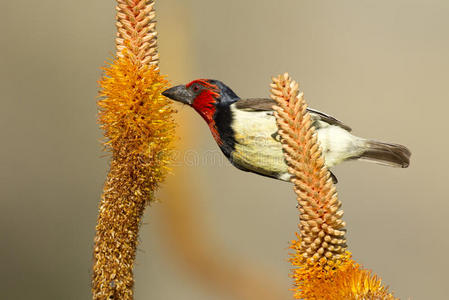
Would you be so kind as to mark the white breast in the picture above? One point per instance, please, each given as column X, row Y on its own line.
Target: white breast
column 256, row 149
column 338, row 144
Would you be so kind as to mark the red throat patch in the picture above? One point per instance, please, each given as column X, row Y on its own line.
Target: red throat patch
column 204, row 104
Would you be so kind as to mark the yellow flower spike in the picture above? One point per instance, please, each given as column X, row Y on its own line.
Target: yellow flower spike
column 139, row 129
column 323, row 268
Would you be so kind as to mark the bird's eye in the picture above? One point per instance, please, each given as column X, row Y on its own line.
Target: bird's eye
column 196, row 88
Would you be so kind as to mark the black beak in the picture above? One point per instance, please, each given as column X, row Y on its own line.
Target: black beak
column 179, row 93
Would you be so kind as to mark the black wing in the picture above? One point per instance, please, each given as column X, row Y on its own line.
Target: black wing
column 264, row 104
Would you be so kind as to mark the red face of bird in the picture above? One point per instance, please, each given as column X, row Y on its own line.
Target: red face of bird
column 202, row 94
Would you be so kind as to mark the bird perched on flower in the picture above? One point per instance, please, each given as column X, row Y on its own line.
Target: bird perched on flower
column 246, row 131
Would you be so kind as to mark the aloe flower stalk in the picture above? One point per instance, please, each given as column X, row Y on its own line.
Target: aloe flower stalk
column 323, row 268
column 138, row 128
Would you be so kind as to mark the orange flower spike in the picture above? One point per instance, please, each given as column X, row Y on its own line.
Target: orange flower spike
column 323, row 267
column 133, row 108
column 137, row 122
column 139, row 129
column 321, row 226
column 136, row 31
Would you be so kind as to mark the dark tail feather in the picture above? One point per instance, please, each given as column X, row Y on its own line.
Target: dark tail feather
column 386, row 154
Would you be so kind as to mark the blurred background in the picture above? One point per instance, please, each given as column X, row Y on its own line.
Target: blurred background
column 380, row 66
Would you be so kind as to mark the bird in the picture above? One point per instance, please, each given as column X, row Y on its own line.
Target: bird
column 246, row 131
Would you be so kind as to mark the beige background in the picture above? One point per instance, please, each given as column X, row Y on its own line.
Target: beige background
column 381, row 66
